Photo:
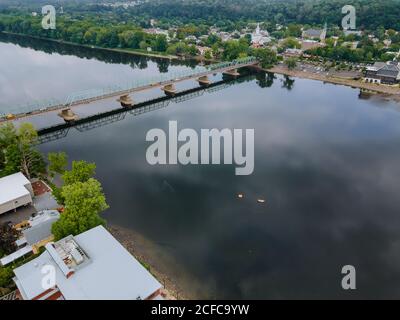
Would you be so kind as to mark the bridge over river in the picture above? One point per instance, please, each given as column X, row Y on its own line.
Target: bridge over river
column 164, row 81
column 60, row 131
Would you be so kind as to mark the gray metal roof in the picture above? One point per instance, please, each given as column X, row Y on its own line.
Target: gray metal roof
column 112, row 274
column 313, row 32
column 389, row 70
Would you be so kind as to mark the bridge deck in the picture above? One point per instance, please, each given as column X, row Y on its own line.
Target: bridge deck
column 119, row 90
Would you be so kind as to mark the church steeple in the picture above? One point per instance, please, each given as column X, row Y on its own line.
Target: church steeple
column 323, row 33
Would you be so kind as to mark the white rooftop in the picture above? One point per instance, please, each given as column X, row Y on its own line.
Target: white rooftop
column 13, row 187
column 15, row 255
column 108, row 271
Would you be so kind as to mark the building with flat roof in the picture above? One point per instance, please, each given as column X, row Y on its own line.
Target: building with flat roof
column 89, row 266
column 15, row 191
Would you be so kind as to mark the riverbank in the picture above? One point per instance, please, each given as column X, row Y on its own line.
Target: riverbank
column 159, row 264
column 384, row 91
column 118, row 50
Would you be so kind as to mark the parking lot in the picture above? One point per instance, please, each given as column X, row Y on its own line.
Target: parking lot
column 41, row 202
column 21, row 214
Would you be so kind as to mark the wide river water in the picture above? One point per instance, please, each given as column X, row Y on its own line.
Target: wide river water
column 326, row 162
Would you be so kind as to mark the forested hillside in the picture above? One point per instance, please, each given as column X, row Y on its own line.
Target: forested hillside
column 229, row 13
column 370, row 13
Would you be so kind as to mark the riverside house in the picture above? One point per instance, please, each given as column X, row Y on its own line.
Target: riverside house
column 381, row 72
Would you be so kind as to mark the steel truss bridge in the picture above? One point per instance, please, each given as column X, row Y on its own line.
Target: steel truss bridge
column 161, row 80
column 60, row 131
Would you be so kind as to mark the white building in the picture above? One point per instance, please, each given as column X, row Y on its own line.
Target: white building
column 260, row 37
column 90, row 266
column 15, row 191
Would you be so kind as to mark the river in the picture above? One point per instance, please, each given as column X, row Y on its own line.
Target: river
column 326, row 163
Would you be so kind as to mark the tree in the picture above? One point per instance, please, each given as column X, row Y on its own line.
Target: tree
column 160, row 43
column 208, row 55
column 291, row 63
column 18, row 152
column 83, row 203
column 8, row 136
column 179, row 48
column 291, row 43
column 31, row 161
column 293, row 30
column 267, row 57
column 192, row 50
column 8, row 236
column 6, row 275
column 81, row 171
column 57, row 163
column 234, row 49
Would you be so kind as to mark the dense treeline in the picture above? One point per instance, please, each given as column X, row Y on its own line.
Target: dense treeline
column 233, row 14
column 370, row 14
column 89, row 30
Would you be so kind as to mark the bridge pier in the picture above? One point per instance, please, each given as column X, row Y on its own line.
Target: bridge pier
column 126, row 101
column 232, row 73
column 68, row 115
column 169, row 89
column 204, row 81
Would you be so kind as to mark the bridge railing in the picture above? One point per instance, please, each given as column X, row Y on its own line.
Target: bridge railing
column 131, row 85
